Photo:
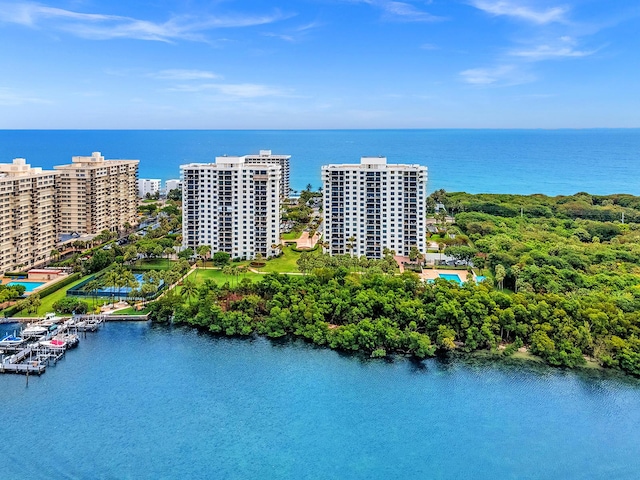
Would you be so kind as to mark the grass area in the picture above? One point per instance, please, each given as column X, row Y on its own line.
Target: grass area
column 217, row 276
column 49, row 300
column 154, row 263
column 527, row 356
column 286, row 263
column 133, row 311
column 294, row 235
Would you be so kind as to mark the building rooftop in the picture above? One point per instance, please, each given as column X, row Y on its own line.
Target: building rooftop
column 20, row 168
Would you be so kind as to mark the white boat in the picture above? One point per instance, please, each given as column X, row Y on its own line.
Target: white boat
column 34, row 331
column 11, row 341
column 51, row 319
column 55, row 344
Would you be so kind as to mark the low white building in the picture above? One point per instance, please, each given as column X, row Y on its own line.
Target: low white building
column 172, row 184
column 148, row 185
column 232, row 206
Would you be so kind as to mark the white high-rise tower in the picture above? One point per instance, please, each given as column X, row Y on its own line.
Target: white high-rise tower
column 373, row 206
column 231, row 205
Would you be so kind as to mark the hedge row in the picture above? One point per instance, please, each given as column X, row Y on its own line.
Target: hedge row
column 58, row 285
column 16, row 274
column 300, row 250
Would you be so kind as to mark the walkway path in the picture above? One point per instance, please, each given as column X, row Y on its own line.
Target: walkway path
column 306, row 242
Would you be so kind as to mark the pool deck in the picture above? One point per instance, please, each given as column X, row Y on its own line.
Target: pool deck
column 43, row 283
column 432, row 274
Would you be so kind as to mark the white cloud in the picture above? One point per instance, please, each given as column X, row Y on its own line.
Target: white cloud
column 237, row 90
column 295, row 34
column 103, row 27
column 502, row 75
column 564, row 47
column 518, row 9
column 545, row 52
column 9, row 97
column 401, row 11
column 281, row 36
column 182, row 75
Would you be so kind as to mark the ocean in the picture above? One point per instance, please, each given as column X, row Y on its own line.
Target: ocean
column 553, row 162
column 140, row 401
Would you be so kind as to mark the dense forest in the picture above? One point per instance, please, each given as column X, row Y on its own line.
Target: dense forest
column 563, row 281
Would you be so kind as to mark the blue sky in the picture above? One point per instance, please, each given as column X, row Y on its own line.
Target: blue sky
column 222, row 64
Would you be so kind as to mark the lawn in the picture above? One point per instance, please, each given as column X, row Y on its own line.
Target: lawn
column 153, row 263
column 283, row 264
column 49, row 300
column 133, row 311
column 294, row 235
column 217, row 276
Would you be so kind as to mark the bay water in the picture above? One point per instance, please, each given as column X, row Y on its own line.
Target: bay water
column 142, row 401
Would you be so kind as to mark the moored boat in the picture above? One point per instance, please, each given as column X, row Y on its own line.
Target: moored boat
column 34, row 331
column 11, row 341
column 51, row 319
column 55, row 344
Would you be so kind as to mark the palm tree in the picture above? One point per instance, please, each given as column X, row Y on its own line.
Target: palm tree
column 55, row 253
column 203, row 251
column 243, row 269
column 92, row 287
column 227, row 270
column 189, row 289
column 145, row 290
column 441, row 246
column 351, row 244
column 127, row 280
column 235, row 271
column 110, row 279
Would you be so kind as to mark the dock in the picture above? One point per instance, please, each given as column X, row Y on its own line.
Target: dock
column 31, row 354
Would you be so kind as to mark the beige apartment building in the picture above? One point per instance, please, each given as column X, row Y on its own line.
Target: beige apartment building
column 97, row 194
column 28, row 215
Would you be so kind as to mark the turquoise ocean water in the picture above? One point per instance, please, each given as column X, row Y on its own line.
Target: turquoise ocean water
column 139, row 401
column 496, row 161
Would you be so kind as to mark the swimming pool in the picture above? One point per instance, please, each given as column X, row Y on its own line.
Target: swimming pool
column 29, row 286
column 451, row 277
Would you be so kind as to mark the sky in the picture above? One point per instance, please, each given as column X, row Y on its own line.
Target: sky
column 319, row 64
